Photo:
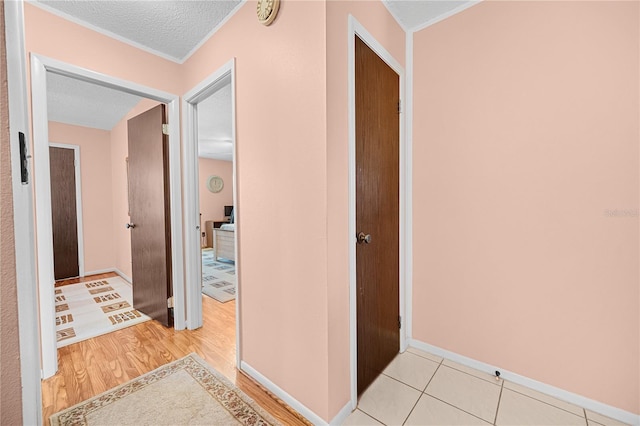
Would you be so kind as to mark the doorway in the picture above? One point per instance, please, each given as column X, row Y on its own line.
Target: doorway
column 223, row 77
column 397, row 326
column 377, row 213
column 40, row 68
column 66, row 211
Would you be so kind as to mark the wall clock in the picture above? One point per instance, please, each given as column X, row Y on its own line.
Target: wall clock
column 267, row 11
column 215, row 184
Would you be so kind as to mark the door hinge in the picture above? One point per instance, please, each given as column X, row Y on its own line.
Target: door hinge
column 399, row 322
column 165, row 129
column 400, row 106
column 170, row 302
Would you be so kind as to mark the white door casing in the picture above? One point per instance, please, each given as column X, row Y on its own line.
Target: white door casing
column 40, row 65
column 193, row 260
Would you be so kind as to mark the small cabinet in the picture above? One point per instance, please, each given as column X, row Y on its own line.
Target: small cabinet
column 209, row 225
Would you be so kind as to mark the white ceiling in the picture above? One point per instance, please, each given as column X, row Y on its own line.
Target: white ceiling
column 414, row 15
column 174, row 29
column 171, row 29
column 214, row 125
column 79, row 103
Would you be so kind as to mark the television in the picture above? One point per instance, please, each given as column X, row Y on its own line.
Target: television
column 228, row 210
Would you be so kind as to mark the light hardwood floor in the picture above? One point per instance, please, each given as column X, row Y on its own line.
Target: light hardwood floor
column 93, row 366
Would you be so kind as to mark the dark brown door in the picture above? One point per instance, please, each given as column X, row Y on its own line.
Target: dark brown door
column 377, row 213
column 63, row 213
column 149, row 214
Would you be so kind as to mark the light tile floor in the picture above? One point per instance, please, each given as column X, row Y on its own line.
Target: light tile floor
column 419, row 388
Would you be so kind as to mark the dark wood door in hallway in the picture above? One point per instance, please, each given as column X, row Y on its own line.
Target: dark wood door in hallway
column 64, row 214
column 149, row 214
column 377, row 213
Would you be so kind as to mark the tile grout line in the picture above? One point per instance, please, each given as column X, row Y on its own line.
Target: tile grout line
column 479, row 378
column 400, row 381
column 369, row 415
column 457, row 408
column 586, row 420
column 548, row 403
column 424, row 357
column 445, row 402
column 495, row 419
column 421, row 394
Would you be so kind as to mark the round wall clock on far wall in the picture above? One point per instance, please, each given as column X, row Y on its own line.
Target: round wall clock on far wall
column 215, row 184
column 267, row 11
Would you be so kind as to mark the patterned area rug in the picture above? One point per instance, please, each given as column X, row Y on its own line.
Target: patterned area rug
column 93, row 308
column 218, row 277
column 184, row 392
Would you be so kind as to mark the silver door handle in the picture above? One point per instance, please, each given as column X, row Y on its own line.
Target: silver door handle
column 364, row 238
column 130, row 225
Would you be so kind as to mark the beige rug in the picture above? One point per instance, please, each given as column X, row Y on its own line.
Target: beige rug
column 184, row 392
column 94, row 308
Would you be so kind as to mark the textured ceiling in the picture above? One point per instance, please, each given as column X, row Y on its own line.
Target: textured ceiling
column 172, row 29
column 79, row 103
column 214, row 125
column 417, row 14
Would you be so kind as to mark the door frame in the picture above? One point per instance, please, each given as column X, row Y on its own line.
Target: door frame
column 193, row 259
column 23, row 217
column 76, row 166
column 357, row 29
column 40, row 65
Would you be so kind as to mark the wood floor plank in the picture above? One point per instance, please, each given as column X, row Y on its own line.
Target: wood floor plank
column 93, row 366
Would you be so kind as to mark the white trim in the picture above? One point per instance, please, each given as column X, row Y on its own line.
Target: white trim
column 395, row 17
column 135, row 44
column 408, row 174
column 224, row 75
column 125, row 277
column 579, row 400
column 40, row 65
column 104, row 32
column 446, row 15
column 44, row 226
column 353, row 295
column 213, row 31
column 79, row 206
column 107, row 270
column 355, row 28
column 23, row 220
column 283, row 395
column 342, row 414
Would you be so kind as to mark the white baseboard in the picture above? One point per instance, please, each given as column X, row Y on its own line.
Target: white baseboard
column 584, row 402
column 124, row 276
column 277, row 391
column 343, row 414
column 107, row 270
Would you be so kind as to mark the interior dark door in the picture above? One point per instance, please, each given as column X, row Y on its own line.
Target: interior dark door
column 377, row 213
column 64, row 215
column 149, row 214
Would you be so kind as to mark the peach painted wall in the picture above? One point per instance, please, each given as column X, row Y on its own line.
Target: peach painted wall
column 95, row 171
column 10, row 394
column 120, row 204
column 379, row 22
column 281, row 166
column 525, row 159
column 212, row 205
column 57, row 38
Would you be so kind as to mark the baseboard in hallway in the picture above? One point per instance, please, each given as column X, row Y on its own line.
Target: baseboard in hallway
column 579, row 400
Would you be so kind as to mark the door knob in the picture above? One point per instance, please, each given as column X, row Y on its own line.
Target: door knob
column 130, row 225
column 364, row 238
